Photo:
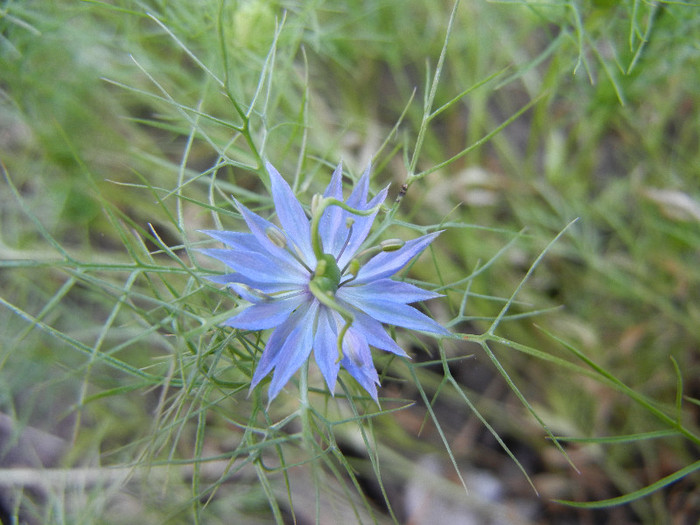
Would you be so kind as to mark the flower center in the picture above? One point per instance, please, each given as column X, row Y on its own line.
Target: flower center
column 326, row 278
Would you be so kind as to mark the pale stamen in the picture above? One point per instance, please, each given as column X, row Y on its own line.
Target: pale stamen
column 279, row 239
column 348, row 224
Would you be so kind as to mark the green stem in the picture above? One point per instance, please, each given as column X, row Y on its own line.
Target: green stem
column 304, row 387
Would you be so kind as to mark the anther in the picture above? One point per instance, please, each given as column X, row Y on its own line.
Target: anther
column 354, row 267
column 348, row 223
column 280, row 240
column 391, row 245
column 276, row 237
column 315, row 202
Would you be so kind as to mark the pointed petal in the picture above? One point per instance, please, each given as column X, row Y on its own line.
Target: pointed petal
column 332, row 227
column 333, row 230
column 384, row 289
column 260, row 269
column 398, row 314
column 236, row 240
column 361, row 228
column 357, row 360
column 224, row 279
column 375, row 334
column 358, row 197
column 247, row 251
column 294, row 352
column 247, row 293
column 326, row 348
column 291, row 214
column 386, row 264
column 265, row 315
column 273, row 349
column 335, row 187
column 259, row 227
column 268, row 288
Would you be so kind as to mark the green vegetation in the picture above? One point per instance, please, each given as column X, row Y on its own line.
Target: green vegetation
column 556, row 143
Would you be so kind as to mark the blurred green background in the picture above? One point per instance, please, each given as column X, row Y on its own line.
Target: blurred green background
column 111, row 114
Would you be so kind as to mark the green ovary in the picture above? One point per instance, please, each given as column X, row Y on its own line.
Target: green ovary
column 326, row 277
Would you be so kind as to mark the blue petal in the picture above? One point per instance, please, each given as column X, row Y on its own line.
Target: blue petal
column 236, row 240
column 291, row 214
column 355, row 347
column 335, row 187
column 265, row 315
column 375, row 334
column 358, row 200
column 361, row 227
column 383, row 289
column 248, row 243
column 294, row 352
column 268, row 288
column 357, row 360
column 326, row 348
column 247, row 293
column 397, row 314
column 273, row 349
column 259, row 227
column 386, row 264
column 331, row 227
column 224, row 279
column 260, row 269
column 358, row 197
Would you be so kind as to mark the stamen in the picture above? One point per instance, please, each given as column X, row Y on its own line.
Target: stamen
column 315, row 202
column 348, row 224
column 254, row 292
column 276, row 237
column 267, row 297
column 391, row 245
column 298, row 256
column 352, row 268
column 279, row 239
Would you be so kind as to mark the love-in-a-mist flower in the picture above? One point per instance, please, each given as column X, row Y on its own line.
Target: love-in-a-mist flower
column 312, row 281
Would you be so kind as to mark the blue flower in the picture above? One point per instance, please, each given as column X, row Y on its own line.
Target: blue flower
column 306, row 280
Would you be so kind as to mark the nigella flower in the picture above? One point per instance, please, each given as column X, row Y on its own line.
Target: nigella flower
column 307, row 280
